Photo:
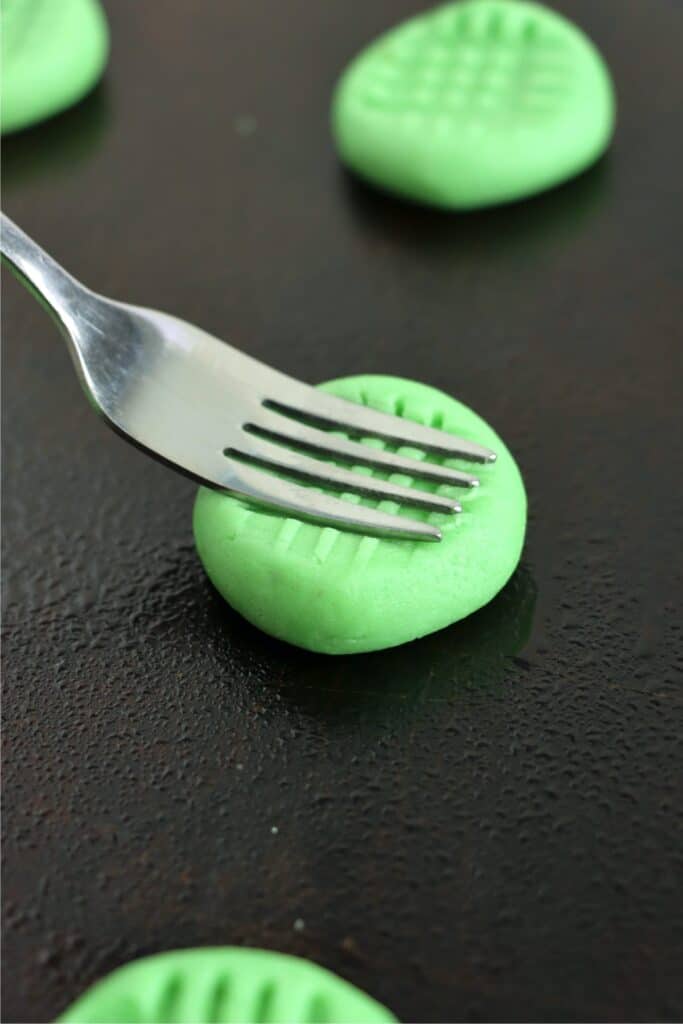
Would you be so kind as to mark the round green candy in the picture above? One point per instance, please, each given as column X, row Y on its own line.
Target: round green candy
column 339, row 592
column 53, row 52
column 222, row 985
column 475, row 103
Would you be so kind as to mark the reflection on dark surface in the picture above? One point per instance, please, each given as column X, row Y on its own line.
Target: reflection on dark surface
column 549, row 216
column 468, row 659
column 56, row 146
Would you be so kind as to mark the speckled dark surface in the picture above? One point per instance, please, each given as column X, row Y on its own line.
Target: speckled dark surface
column 480, row 826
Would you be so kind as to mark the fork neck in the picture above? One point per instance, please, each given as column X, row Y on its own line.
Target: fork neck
column 55, row 289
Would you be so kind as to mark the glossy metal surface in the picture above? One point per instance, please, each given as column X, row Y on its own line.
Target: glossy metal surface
column 203, row 407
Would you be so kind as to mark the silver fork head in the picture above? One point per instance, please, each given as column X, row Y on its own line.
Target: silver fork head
column 232, row 422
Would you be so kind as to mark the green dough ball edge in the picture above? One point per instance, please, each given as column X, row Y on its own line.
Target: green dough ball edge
column 340, row 593
column 450, row 168
column 225, row 984
column 55, row 59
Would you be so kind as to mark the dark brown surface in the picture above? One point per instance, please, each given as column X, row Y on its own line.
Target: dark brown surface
column 482, row 825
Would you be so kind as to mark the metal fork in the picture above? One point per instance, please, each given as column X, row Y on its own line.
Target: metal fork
column 229, row 421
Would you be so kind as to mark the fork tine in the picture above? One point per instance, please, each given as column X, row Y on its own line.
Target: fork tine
column 303, row 503
column 338, row 413
column 276, row 457
column 285, row 430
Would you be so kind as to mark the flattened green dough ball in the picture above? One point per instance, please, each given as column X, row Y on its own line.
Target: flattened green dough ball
column 341, row 593
column 475, row 103
column 222, row 986
column 53, row 52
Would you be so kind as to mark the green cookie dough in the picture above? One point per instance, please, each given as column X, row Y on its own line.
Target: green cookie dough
column 340, row 593
column 475, row 103
column 222, row 985
column 53, row 52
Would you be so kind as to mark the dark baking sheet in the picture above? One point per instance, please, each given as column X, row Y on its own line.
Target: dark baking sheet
column 482, row 825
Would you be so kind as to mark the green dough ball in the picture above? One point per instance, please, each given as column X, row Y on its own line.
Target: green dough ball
column 339, row 592
column 194, row 986
column 53, row 52
column 475, row 103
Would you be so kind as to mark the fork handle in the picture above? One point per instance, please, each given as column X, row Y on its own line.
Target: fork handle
column 54, row 288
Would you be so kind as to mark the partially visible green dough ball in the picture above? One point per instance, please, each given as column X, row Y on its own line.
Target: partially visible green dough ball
column 229, row 985
column 340, row 593
column 53, row 52
column 474, row 103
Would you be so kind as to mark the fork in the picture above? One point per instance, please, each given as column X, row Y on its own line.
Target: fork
column 231, row 422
